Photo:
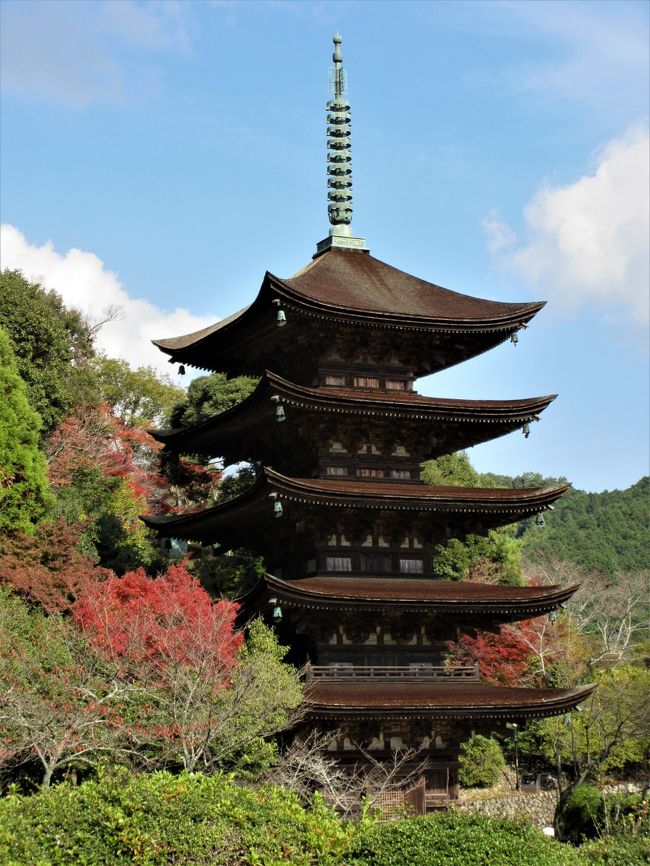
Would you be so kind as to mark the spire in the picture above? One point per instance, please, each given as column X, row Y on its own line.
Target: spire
column 339, row 161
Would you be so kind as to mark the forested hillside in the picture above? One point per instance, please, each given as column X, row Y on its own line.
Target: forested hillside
column 608, row 532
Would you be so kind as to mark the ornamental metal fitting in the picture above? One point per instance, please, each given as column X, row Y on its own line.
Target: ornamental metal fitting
column 339, row 150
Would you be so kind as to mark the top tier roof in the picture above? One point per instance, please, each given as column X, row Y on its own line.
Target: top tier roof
column 349, row 288
column 359, row 282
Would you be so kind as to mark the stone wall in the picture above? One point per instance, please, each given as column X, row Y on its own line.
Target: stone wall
column 538, row 807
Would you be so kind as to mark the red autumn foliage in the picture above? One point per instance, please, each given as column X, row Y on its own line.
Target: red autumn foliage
column 502, row 658
column 47, row 568
column 519, row 655
column 160, row 623
column 93, row 438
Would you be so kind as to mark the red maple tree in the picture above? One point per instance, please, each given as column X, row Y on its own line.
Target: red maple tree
column 160, row 621
column 177, row 648
column 48, row 568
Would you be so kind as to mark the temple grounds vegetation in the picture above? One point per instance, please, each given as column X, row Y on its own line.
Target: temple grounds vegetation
column 138, row 724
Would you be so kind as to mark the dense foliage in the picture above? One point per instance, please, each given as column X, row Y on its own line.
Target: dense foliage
column 157, row 819
column 481, row 762
column 209, row 395
column 52, row 343
column 24, row 494
column 607, row 532
column 458, row 840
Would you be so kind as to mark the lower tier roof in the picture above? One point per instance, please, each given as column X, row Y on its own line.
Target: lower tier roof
column 432, row 595
column 462, row 700
column 227, row 521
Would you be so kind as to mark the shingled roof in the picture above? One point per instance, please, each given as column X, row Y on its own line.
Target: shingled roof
column 497, row 506
column 227, row 430
column 353, row 288
column 456, row 700
column 391, row 593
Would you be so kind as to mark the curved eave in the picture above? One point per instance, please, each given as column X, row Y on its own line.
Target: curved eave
column 392, row 700
column 513, row 316
column 414, row 496
column 256, row 503
column 197, row 347
column 348, row 402
column 454, row 599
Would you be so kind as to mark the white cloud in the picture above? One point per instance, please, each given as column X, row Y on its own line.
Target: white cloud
column 83, row 282
column 586, row 243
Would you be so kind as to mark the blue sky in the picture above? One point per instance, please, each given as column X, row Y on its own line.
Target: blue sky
column 158, row 157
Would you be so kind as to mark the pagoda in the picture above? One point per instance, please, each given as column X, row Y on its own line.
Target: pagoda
column 347, row 529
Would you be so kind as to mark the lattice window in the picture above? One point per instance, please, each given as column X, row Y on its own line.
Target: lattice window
column 338, row 563
column 336, row 470
column 402, row 474
column 366, row 382
column 411, row 566
column 375, row 564
column 336, row 381
column 395, row 385
column 370, row 473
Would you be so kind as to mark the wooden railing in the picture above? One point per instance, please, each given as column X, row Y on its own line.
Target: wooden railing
column 408, row 673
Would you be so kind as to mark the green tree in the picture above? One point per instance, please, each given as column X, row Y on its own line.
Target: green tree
column 56, row 693
column 606, row 532
column 209, row 395
column 52, row 345
column 481, row 762
column 494, row 558
column 611, row 730
column 24, row 493
column 451, row 470
column 141, row 398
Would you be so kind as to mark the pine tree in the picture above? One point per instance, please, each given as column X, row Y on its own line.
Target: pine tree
column 24, row 492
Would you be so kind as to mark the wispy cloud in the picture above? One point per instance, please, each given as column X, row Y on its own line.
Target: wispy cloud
column 83, row 281
column 81, row 53
column 594, row 53
column 586, row 244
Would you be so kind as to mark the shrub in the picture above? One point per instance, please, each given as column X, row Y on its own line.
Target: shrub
column 616, row 851
column 581, row 813
column 157, row 819
column 482, row 762
column 454, row 839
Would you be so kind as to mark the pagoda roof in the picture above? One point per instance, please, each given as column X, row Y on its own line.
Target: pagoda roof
column 456, row 700
column 460, row 598
column 354, row 288
column 227, row 432
column 231, row 519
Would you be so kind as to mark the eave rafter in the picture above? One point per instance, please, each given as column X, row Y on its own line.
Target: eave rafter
column 227, row 432
column 454, row 600
column 258, row 505
column 454, row 701
column 358, row 291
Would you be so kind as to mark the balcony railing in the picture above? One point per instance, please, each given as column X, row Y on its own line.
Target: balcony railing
column 404, row 673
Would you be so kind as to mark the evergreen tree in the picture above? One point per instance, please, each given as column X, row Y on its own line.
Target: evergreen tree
column 24, row 492
column 52, row 345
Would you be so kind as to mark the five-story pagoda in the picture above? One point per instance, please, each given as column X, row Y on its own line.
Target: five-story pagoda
column 347, row 529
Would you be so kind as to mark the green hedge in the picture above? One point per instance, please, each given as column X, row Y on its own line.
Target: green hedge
column 193, row 820
column 617, row 851
column 452, row 839
column 157, row 819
